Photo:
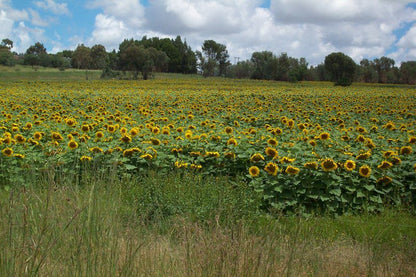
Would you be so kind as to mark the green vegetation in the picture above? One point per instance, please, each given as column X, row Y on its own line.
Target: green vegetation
column 186, row 225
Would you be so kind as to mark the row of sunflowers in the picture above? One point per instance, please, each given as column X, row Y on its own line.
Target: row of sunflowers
column 302, row 146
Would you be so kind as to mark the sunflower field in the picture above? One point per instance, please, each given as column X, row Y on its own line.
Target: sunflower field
column 304, row 147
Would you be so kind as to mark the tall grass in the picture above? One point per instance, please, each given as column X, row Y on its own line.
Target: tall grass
column 186, row 225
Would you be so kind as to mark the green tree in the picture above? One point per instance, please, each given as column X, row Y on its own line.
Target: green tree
column 81, row 57
column 214, row 58
column 35, row 54
column 98, row 56
column 340, row 68
column 6, row 56
column 408, row 72
column 6, row 43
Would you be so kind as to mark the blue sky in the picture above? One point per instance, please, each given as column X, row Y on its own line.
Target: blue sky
column 302, row 28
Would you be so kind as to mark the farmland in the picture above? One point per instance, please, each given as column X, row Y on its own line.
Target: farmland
column 276, row 149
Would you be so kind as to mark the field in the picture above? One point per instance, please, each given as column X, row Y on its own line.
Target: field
column 200, row 167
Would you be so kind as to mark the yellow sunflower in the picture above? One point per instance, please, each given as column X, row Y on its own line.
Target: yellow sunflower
column 349, row 165
column 271, row 168
column 329, row 165
column 8, row 152
column 254, row 171
column 72, row 144
column 365, row 171
column 291, row 170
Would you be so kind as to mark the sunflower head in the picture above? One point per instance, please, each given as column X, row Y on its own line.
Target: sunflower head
column 271, row 168
column 254, row 171
column 256, row 157
column 406, row 150
column 365, row 171
column 329, row 165
column 291, row 170
column 72, row 144
column 271, row 152
column 385, row 180
column 232, row 141
column 385, row 165
column 8, row 152
column 324, row 136
column 349, row 165
column 311, row 165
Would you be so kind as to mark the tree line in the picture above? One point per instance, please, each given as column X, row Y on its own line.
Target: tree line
column 141, row 58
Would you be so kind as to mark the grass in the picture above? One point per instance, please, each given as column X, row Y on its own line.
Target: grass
column 187, row 225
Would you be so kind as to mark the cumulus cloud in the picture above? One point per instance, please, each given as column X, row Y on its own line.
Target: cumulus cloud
column 51, row 5
column 130, row 12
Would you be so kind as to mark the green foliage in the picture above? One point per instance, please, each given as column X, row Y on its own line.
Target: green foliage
column 341, row 68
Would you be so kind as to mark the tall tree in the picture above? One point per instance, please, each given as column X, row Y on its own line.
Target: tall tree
column 214, row 58
column 99, row 57
column 81, row 58
column 341, row 68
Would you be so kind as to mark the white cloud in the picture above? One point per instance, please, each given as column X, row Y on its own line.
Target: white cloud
column 130, row 12
column 51, row 5
column 37, row 20
column 109, row 31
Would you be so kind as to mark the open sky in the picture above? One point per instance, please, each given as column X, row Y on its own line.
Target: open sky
column 302, row 28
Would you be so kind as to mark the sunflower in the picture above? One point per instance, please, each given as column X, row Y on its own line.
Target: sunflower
column 7, row 152
column 155, row 141
column 272, row 141
column 271, row 152
column 85, row 127
column 389, row 153
column 85, row 159
column 365, row 171
column 126, row 138
column 99, row 135
column 20, row 156
column 28, row 126
column 412, row 140
column 229, row 155
column 176, row 150
column 385, row 180
column 232, row 141
column 111, row 128
column 96, row 149
column 57, row 136
column 72, row 144
column 360, row 138
column 256, row 157
column 70, row 122
column 385, row 165
column 155, row 130
column 277, row 131
column 147, row 156
column 395, row 160
column 20, row 138
column 291, row 170
column 406, row 150
column 329, row 165
column 312, row 142
column 228, row 129
column 349, row 165
column 166, row 131
column 311, row 165
column 254, row 171
column 214, row 154
column 134, row 131
column 271, row 168
column 287, row 160
column 364, row 156
column 324, row 136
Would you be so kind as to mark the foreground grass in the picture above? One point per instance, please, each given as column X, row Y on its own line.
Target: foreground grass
column 187, row 225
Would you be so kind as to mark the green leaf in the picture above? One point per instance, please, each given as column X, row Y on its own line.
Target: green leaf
column 336, row 192
column 376, row 199
column 129, row 166
column 360, row 194
column 369, row 187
